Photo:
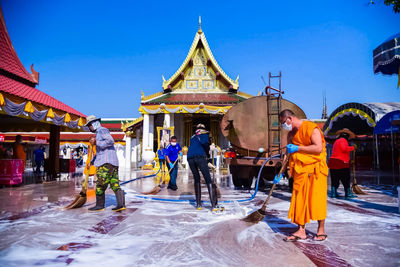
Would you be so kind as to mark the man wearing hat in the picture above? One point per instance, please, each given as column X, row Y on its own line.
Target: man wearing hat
column 339, row 163
column 106, row 161
column 197, row 157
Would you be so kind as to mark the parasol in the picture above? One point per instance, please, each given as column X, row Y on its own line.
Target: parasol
column 387, row 57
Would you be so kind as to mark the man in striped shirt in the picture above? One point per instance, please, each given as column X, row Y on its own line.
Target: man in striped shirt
column 106, row 161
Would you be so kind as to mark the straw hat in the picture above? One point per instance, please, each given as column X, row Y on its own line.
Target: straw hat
column 347, row 131
column 90, row 119
column 200, row 126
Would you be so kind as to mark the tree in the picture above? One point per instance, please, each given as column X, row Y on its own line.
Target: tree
column 395, row 3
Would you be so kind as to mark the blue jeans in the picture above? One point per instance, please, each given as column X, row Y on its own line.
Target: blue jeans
column 173, row 174
column 38, row 165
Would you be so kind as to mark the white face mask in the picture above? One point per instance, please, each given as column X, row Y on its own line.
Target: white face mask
column 173, row 144
column 287, row 127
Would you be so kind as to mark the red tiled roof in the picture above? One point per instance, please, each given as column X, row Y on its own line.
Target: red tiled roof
column 15, row 79
column 197, row 98
column 9, row 60
column 13, row 87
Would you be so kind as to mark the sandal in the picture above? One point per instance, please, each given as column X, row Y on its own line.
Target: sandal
column 322, row 235
column 296, row 238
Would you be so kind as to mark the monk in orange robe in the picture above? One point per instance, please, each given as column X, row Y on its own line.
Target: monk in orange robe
column 19, row 150
column 308, row 167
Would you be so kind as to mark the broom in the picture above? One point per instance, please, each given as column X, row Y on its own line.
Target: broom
column 157, row 188
column 355, row 187
column 81, row 198
column 259, row 215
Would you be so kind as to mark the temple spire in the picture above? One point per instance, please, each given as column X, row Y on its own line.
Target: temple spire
column 324, row 108
column 199, row 31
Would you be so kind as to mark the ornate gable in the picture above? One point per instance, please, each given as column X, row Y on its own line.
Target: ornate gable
column 200, row 72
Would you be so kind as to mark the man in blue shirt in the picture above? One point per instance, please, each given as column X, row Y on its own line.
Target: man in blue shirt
column 172, row 152
column 39, row 158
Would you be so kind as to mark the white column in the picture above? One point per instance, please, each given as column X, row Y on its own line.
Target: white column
column 145, row 141
column 171, row 120
column 151, row 132
column 167, row 120
column 128, row 152
column 137, row 151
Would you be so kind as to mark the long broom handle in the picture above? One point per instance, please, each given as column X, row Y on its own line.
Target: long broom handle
column 84, row 186
column 354, row 167
column 163, row 171
column 264, row 206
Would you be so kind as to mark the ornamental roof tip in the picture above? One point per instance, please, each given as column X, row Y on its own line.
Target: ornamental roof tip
column 200, row 37
column 126, row 125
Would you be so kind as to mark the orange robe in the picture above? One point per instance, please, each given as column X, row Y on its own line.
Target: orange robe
column 91, row 153
column 309, row 172
column 19, row 152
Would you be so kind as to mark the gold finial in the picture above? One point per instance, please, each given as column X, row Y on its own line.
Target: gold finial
column 163, row 78
column 142, row 94
column 199, row 31
column 237, row 78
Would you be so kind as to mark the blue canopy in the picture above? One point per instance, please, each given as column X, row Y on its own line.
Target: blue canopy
column 386, row 57
column 384, row 125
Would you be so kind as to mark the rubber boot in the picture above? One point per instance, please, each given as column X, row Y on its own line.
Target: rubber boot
column 100, row 201
column 197, row 190
column 349, row 194
column 120, row 195
column 334, row 193
column 213, row 197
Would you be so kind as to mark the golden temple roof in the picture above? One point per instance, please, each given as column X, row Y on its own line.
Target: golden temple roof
column 200, row 42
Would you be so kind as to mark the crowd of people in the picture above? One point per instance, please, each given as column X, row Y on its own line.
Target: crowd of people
column 308, row 166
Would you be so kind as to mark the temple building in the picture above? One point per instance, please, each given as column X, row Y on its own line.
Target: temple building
column 24, row 108
column 198, row 92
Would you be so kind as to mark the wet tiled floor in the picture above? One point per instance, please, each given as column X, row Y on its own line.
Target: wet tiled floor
column 35, row 228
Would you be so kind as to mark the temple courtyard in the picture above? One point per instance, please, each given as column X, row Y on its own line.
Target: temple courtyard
column 165, row 229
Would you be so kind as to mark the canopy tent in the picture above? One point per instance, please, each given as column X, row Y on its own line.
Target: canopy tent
column 388, row 125
column 361, row 119
column 386, row 57
column 368, row 119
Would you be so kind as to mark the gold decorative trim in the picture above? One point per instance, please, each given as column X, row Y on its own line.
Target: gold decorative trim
column 200, row 36
column 150, row 97
column 245, row 94
column 126, row 125
column 191, row 109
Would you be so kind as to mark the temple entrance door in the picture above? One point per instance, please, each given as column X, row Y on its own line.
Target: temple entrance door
column 201, row 118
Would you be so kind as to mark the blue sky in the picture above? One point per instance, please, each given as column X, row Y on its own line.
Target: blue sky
column 97, row 56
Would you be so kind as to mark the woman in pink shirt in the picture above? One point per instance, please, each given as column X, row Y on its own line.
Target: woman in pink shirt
column 339, row 163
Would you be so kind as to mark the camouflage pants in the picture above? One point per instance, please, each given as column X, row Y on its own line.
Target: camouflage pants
column 107, row 174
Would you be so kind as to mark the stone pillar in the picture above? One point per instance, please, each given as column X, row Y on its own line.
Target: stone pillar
column 128, row 151
column 151, row 132
column 171, row 120
column 145, row 138
column 167, row 120
column 138, row 148
column 54, row 151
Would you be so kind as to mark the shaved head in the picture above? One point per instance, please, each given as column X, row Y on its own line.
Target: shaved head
column 286, row 113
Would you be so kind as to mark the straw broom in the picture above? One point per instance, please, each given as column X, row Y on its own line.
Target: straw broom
column 259, row 215
column 355, row 187
column 157, row 188
column 81, row 198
